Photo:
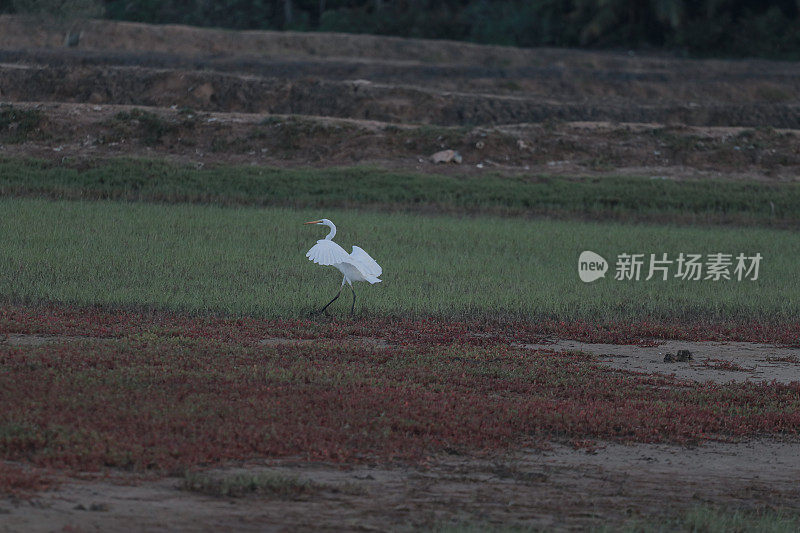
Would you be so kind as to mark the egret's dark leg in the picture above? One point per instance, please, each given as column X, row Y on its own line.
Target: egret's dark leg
column 353, row 307
column 329, row 303
column 334, row 298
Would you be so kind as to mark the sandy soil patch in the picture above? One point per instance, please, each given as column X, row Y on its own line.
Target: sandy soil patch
column 561, row 488
column 756, row 362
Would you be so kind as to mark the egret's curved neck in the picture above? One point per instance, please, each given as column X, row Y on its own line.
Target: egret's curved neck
column 332, row 233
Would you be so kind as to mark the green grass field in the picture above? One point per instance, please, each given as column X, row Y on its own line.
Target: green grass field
column 248, row 260
column 622, row 198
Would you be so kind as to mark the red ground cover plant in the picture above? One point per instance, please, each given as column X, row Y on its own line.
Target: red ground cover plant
column 785, row 359
column 102, row 322
column 21, row 482
column 722, row 364
column 151, row 392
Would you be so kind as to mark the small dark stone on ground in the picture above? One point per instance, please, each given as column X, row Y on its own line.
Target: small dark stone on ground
column 682, row 357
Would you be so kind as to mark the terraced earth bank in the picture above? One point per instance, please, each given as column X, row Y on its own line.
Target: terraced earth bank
column 214, row 95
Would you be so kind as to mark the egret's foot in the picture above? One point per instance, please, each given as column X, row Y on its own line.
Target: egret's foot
column 320, row 312
column 329, row 303
column 320, row 316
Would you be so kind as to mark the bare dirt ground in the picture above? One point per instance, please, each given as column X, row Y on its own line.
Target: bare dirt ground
column 556, row 489
column 711, row 361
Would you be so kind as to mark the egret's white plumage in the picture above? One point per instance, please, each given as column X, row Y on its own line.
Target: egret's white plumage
column 327, row 253
column 355, row 266
column 367, row 264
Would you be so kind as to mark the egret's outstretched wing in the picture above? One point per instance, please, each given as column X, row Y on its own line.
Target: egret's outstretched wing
column 365, row 263
column 327, row 252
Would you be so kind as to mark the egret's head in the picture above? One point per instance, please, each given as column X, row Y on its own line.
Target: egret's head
column 323, row 222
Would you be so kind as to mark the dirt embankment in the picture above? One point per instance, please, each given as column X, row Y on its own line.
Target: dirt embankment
column 16, row 32
column 296, row 99
column 107, row 36
column 88, row 131
column 387, row 79
column 558, row 81
column 358, row 99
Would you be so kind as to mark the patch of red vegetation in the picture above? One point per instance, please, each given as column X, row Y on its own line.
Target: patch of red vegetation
column 98, row 322
column 167, row 392
column 21, row 482
column 787, row 359
column 723, row 364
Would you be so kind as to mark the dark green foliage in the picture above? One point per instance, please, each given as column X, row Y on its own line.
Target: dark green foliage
column 59, row 10
column 149, row 126
column 620, row 197
column 18, row 125
column 705, row 28
column 236, row 14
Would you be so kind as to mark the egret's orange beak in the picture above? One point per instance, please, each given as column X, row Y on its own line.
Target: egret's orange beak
column 312, row 222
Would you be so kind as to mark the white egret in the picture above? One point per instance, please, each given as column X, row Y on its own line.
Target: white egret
column 355, row 266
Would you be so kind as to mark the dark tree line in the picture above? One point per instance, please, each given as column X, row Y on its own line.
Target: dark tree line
column 695, row 27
